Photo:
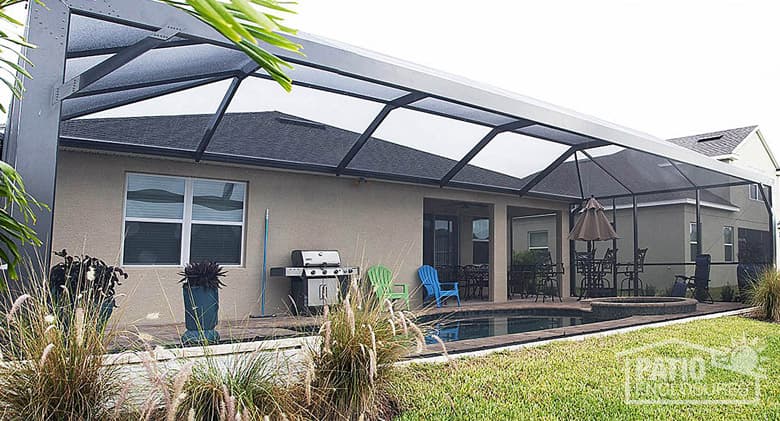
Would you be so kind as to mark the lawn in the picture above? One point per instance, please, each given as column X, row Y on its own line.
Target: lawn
column 583, row 380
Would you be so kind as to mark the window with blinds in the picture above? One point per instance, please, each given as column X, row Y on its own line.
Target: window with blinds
column 170, row 221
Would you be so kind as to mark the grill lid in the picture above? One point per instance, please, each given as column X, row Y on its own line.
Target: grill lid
column 315, row 258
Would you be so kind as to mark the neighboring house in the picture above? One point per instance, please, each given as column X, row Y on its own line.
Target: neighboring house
column 733, row 218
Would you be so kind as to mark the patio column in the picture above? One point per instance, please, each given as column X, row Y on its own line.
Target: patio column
column 498, row 253
column 34, row 121
column 698, row 224
column 465, row 246
column 563, row 252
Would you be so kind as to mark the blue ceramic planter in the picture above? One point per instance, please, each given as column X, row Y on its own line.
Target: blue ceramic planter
column 65, row 309
column 201, row 314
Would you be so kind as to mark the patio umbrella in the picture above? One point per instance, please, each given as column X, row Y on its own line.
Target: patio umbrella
column 593, row 224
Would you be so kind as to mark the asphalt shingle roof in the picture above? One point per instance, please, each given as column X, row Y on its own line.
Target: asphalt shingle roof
column 715, row 143
column 275, row 135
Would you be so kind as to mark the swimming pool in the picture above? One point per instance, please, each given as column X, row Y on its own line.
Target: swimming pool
column 454, row 327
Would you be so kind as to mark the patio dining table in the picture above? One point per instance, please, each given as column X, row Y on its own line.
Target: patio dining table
column 472, row 279
column 593, row 270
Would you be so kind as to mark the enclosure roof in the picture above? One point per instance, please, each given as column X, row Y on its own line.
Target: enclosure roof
column 267, row 135
column 124, row 51
column 717, row 143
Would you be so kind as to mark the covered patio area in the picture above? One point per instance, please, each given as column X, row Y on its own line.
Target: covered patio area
column 422, row 152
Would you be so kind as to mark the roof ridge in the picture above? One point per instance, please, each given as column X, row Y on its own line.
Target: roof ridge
column 751, row 127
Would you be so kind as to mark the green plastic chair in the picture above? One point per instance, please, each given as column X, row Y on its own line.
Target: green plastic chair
column 381, row 279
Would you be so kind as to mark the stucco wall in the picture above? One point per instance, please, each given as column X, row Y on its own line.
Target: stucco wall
column 661, row 231
column 373, row 222
column 522, row 226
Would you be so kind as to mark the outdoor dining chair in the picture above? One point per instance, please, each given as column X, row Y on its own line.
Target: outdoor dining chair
column 628, row 272
column 700, row 281
column 433, row 288
column 381, row 279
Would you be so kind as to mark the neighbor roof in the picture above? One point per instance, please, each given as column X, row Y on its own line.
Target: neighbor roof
column 714, row 144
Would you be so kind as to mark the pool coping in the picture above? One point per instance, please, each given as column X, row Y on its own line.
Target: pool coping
column 512, row 342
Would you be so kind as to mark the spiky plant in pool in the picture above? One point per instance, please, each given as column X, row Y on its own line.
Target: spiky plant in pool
column 349, row 371
column 764, row 294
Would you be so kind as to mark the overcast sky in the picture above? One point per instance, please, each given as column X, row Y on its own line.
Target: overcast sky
column 668, row 68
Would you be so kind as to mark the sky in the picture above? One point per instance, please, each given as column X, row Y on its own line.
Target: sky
column 668, row 68
column 665, row 67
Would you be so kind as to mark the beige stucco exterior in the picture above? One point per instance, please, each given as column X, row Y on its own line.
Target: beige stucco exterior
column 368, row 222
column 664, row 226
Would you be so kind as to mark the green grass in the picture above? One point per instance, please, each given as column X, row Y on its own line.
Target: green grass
column 581, row 380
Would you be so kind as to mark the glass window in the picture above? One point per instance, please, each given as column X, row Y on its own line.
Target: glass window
column 537, row 240
column 753, row 192
column 160, row 211
column 155, row 197
column 220, row 243
column 217, row 201
column 480, row 229
column 152, row 243
column 480, row 241
column 728, row 244
column 693, row 240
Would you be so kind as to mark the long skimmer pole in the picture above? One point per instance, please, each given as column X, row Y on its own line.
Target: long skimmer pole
column 265, row 259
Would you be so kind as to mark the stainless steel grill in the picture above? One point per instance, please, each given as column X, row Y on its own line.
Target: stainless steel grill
column 316, row 278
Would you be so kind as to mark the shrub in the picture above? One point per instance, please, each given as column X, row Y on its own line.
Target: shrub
column 203, row 274
column 727, row 293
column 80, row 274
column 526, row 257
column 348, row 376
column 649, row 290
column 764, row 294
column 56, row 369
column 244, row 385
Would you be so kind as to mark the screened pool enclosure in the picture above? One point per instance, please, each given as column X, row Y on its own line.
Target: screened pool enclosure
column 104, row 58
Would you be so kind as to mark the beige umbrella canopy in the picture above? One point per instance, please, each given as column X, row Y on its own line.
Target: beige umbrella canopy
column 593, row 224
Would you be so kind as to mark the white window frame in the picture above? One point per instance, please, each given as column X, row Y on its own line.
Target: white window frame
column 754, row 188
column 725, row 244
column 693, row 228
column 546, row 232
column 186, row 221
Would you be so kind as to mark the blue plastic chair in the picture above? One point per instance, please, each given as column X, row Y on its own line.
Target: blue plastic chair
column 430, row 280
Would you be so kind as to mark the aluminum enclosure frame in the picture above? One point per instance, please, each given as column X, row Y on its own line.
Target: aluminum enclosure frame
column 32, row 137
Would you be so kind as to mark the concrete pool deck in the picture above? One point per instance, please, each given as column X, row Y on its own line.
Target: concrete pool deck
column 289, row 326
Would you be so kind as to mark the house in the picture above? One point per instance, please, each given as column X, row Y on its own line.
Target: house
column 733, row 219
column 159, row 189
column 153, row 214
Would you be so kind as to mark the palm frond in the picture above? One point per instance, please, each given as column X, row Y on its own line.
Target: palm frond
column 247, row 23
column 15, row 229
column 12, row 41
